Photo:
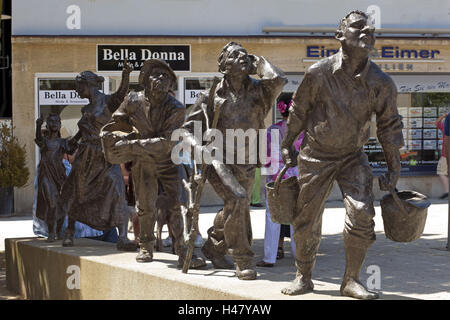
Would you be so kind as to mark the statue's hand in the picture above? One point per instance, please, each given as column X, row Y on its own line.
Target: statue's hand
column 289, row 157
column 388, row 181
column 127, row 67
column 121, row 147
column 254, row 61
column 39, row 122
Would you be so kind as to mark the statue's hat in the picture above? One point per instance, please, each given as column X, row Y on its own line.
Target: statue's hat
column 154, row 63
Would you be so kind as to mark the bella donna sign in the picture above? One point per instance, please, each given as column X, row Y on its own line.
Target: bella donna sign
column 61, row 97
column 111, row 57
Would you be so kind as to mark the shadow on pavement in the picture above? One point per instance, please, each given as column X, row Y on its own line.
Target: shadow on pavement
column 416, row 268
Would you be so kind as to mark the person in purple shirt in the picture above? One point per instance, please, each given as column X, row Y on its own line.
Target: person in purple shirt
column 274, row 232
column 446, row 135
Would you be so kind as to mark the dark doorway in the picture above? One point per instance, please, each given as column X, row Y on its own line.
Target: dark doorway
column 5, row 61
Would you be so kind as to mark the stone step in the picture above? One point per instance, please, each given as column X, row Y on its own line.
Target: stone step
column 40, row 270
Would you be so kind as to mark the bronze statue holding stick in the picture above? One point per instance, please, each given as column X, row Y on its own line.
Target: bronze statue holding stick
column 244, row 102
column 140, row 131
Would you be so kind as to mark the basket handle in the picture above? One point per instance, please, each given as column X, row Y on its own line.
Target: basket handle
column 398, row 201
column 279, row 178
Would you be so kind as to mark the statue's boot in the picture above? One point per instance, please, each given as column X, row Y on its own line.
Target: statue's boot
column 245, row 270
column 68, row 238
column 351, row 286
column 123, row 243
column 219, row 261
column 145, row 252
column 51, row 237
column 302, row 283
column 51, row 233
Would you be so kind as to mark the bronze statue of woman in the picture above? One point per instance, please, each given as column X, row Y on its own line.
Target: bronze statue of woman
column 94, row 192
column 51, row 174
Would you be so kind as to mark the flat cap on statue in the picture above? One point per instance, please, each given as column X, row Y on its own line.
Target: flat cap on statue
column 154, row 63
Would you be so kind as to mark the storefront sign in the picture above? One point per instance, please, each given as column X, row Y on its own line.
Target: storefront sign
column 60, row 97
column 111, row 57
column 422, row 83
column 391, row 67
column 385, row 52
column 190, row 96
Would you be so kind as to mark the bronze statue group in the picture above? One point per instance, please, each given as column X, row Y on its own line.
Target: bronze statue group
column 332, row 107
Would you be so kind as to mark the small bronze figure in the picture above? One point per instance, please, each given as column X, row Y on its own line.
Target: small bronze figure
column 51, row 174
column 94, row 192
column 154, row 114
column 333, row 106
column 243, row 103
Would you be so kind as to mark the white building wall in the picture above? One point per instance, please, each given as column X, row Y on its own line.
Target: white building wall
column 210, row 17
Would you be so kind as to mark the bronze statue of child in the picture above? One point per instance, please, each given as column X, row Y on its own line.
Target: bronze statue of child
column 51, row 173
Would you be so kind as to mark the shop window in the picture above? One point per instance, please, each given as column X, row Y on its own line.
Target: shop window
column 421, row 100
column 5, row 60
column 423, row 141
column 59, row 96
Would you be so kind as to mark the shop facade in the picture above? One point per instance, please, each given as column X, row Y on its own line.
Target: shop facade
column 51, row 45
column 44, row 69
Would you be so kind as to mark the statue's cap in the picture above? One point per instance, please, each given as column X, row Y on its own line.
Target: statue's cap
column 90, row 77
column 155, row 63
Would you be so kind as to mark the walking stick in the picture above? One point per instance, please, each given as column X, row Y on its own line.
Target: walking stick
column 197, row 181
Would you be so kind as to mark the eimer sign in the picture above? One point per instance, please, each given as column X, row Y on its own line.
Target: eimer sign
column 111, row 57
column 387, row 52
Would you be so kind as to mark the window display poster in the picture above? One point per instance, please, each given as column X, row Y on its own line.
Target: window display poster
column 415, row 112
column 414, row 144
column 429, row 144
column 429, row 122
column 415, row 134
column 429, row 133
column 414, row 123
column 430, row 112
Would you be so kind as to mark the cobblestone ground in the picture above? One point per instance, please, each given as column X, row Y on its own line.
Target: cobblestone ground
column 5, row 294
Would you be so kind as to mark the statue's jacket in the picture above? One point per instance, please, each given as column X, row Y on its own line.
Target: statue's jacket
column 241, row 110
column 151, row 125
column 94, row 191
column 337, row 108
